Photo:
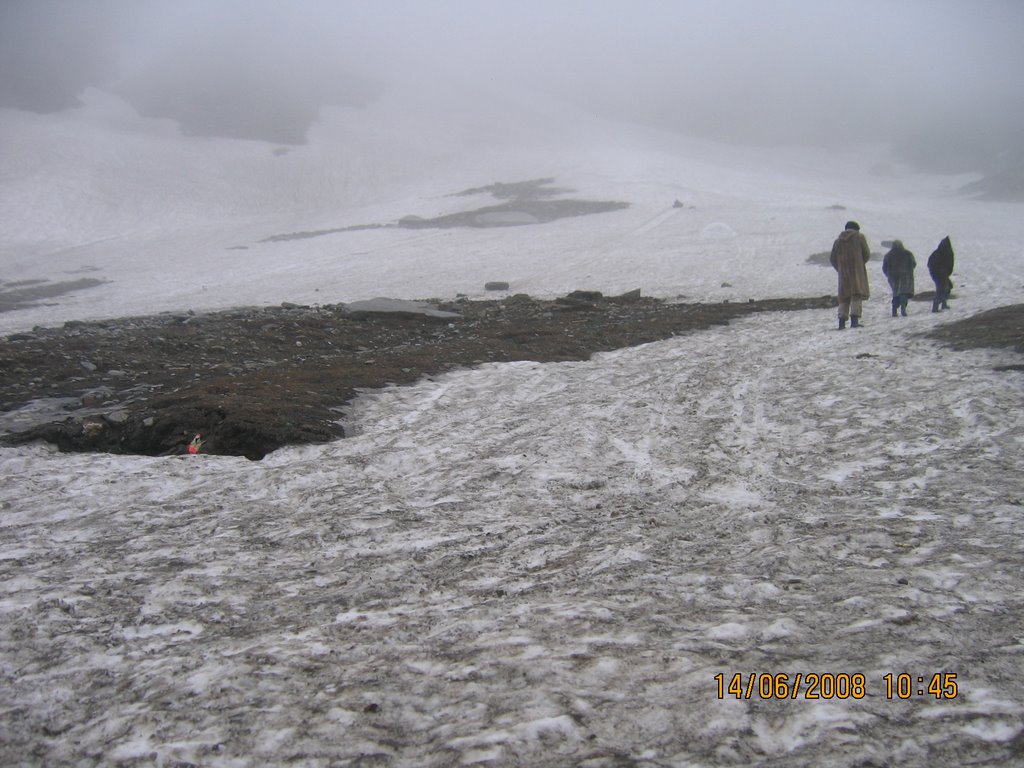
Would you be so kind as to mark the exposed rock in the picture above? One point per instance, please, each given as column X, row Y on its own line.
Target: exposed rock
column 532, row 189
column 239, row 378
column 96, row 397
column 585, row 295
column 496, row 286
column 515, row 213
column 385, row 306
column 31, row 293
column 117, row 417
column 510, row 218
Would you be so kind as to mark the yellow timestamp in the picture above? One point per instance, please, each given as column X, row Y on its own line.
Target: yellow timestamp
column 832, row 685
column 810, row 685
column 941, row 685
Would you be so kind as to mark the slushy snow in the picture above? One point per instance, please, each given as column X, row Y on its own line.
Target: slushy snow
column 522, row 563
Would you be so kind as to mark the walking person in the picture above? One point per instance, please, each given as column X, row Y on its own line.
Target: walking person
column 850, row 254
column 898, row 266
column 940, row 267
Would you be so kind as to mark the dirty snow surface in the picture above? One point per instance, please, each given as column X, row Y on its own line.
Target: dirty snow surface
column 523, row 564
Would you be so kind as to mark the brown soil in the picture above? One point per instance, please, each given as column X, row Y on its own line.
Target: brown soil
column 255, row 379
column 252, row 380
column 999, row 327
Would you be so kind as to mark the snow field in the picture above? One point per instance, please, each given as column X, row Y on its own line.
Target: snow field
column 176, row 223
column 519, row 564
column 531, row 563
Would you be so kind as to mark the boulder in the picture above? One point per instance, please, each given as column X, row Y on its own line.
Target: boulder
column 385, row 306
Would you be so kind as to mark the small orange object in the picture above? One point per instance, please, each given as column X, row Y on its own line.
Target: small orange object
column 196, row 444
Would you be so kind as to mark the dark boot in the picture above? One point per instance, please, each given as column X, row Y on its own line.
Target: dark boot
column 842, row 323
column 935, row 306
column 903, row 306
column 894, row 309
column 855, row 321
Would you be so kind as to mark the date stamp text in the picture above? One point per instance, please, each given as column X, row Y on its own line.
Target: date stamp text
column 834, row 685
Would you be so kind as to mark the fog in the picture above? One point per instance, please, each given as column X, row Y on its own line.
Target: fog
column 937, row 78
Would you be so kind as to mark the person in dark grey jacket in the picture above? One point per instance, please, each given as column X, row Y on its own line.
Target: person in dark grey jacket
column 898, row 266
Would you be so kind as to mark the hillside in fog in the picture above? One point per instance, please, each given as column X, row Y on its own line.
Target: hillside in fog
column 767, row 542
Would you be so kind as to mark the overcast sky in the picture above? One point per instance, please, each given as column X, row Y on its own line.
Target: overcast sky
column 785, row 70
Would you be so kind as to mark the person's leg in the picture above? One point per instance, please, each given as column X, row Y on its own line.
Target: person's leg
column 895, row 303
column 844, row 312
column 856, row 305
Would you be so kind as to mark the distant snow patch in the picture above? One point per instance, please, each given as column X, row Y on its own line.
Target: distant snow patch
column 718, row 231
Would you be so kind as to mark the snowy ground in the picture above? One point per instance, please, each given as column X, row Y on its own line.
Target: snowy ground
column 174, row 223
column 534, row 564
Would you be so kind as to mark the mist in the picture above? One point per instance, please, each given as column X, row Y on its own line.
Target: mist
column 936, row 79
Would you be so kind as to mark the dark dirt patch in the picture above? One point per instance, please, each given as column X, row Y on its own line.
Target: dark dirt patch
column 252, row 380
column 1000, row 327
column 532, row 189
column 1005, row 186
column 523, row 203
column 515, row 213
column 319, row 233
column 30, row 293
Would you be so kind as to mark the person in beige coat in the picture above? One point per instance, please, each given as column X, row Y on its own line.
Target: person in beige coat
column 850, row 254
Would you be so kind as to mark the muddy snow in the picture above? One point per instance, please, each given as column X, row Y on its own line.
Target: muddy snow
column 602, row 563
column 547, row 564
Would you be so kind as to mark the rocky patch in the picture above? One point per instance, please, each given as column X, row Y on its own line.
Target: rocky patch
column 30, row 293
column 254, row 379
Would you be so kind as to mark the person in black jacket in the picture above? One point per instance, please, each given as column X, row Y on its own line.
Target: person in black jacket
column 940, row 267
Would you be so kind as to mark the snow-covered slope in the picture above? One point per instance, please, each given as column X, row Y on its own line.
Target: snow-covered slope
column 522, row 564
column 174, row 222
